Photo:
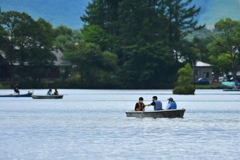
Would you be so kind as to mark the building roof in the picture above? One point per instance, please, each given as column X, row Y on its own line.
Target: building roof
column 59, row 61
column 202, row 64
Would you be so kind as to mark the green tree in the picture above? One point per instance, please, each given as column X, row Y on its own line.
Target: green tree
column 91, row 63
column 181, row 20
column 63, row 35
column 185, row 81
column 95, row 34
column 226, row 44
column 147, row 66
column 28, row 43
column 40, row 56
column 16, row 26
column 134, row 27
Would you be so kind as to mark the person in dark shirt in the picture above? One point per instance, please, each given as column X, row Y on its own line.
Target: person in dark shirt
column 156, row 103
column 16, row 90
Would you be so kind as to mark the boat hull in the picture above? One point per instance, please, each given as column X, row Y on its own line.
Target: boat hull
column 174, row 113
column 17, row 95
column 231, row 84
column 47, row 97
column 231, row 90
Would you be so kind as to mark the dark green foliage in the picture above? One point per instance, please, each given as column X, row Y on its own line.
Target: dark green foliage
column 93, row 67
column 147, row 66
column 27, row 43
column 62, row 35
column 147, row 37
column 184, row 89
column 225, row 47
column 126, row 43
column 184, row 85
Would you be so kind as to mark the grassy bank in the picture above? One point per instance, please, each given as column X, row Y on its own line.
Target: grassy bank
column 211, row 86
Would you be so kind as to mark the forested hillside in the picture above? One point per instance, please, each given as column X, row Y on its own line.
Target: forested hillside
column 65, row 12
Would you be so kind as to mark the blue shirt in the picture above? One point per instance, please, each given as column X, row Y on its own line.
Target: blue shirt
column 172, row 105
column 157, row 105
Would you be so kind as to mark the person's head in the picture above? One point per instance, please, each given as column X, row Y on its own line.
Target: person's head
column 50, row 89
column 170, row 99
column 140, row 99
column 55, row 89
column 154, row 98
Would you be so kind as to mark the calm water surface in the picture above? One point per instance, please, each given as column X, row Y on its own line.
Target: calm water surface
column 92, row 125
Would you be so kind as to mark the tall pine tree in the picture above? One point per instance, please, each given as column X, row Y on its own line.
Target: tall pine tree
column 138, row 23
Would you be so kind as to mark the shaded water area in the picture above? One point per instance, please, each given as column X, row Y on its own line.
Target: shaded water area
column 92, row 125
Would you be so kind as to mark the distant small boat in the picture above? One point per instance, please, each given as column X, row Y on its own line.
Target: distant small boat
column 47, row 96
column 173, row 113
column 231, row 84
column 234, row 86
column 29, row 94
column 231, row 90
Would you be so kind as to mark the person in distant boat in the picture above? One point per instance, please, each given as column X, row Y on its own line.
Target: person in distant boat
column 236, row 85
column 156, row 103
column 49, row 93
column 140, row 105
column 171, row 104
column 16, row 90
column 55, row 92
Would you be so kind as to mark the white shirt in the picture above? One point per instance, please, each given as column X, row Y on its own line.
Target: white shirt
column 168, row 106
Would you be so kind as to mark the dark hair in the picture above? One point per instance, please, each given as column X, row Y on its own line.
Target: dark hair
column 155, row 97
column 141, row 98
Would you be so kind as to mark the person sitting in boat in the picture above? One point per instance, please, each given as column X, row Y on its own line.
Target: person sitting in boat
column 171, row 104
column 16, row 90
column 236, row 85
column 140, row 105
column 49, row 93
column 55, row 92
column 156, row 103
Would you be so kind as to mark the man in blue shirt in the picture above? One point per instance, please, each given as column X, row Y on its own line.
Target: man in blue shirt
column 156, row 103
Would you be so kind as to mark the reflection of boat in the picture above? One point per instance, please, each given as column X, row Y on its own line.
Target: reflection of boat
column 173, row 113
column 29, row 94
column 47, row 96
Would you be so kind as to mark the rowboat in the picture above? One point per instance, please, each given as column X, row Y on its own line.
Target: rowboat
column 173, row 113
column 29, row 94
column 47, row 96
column 231, row 84
column 231, row 90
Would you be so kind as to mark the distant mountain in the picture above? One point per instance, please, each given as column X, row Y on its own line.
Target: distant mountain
column 214, row 10
column 68, row 12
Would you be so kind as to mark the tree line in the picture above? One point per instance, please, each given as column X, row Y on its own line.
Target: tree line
column 123, row 44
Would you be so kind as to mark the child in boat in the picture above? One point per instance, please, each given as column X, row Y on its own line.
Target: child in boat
column 140, row 106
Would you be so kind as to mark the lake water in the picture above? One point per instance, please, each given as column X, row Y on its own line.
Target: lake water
column 92, row 125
